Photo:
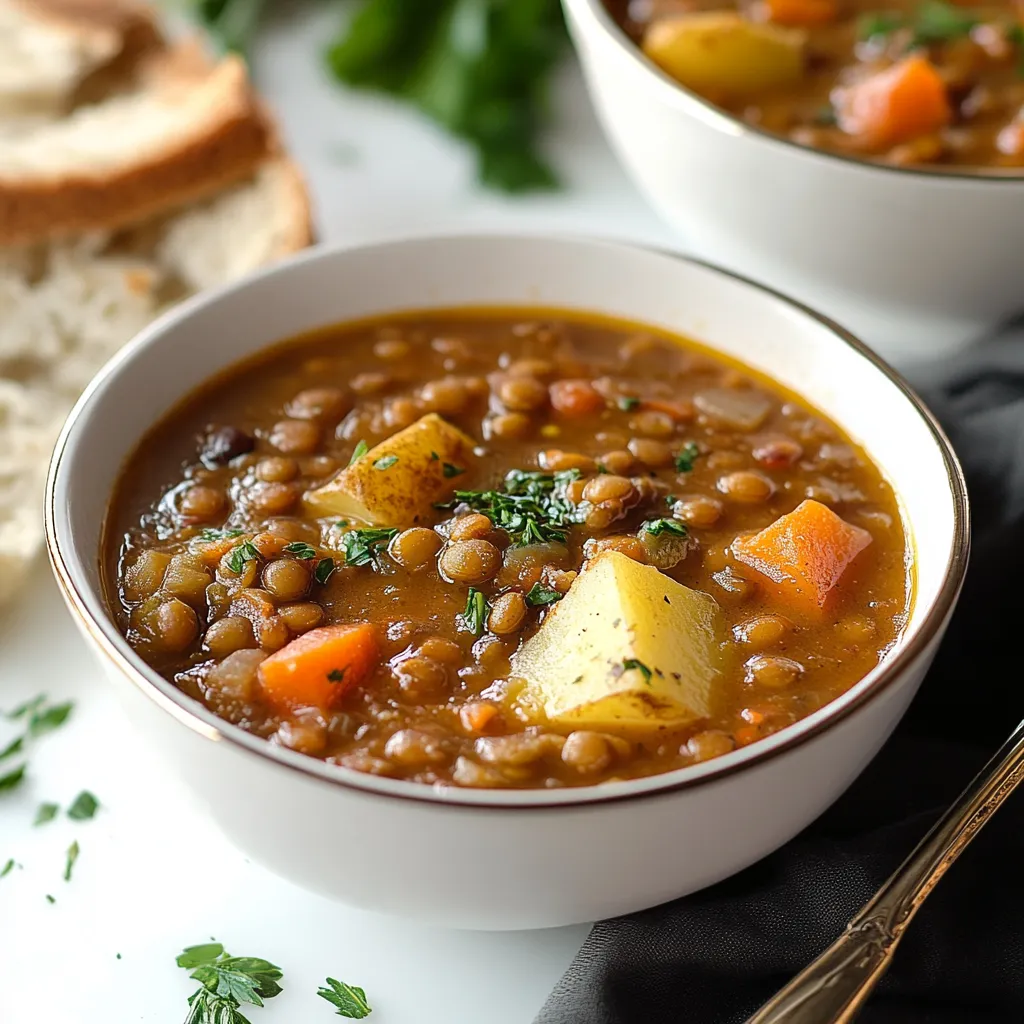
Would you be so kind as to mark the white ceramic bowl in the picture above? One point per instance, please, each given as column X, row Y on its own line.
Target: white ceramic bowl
column 915, row 262
column 519, row 859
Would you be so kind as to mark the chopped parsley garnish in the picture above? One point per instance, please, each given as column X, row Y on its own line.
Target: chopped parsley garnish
column 336, row 675
column 300, row 549
column 45, row 813
column 938, row 22
column 48, row 719
column 385, row 462
column 449, row 470
column 237, row 557
column 324, row 570
column 540, row 595
column 349, row 999
column 50, row 899
column 83, row 807
column 12, row 748
column 28, row 708
column 7, row 868
column 365, row 546
column 880, row 24
column 434, row 456
column 631, row 663
column 69, row 864
column 12, row 779
column 532, row 509
column 211, row 534
column 686, row 457
column 656, row 527
column 227, row 982
column 627, row 403
column 359, row 451
column 474, row 618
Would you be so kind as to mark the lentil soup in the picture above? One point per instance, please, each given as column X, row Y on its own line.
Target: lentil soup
column 925, row 83
column 505, row 548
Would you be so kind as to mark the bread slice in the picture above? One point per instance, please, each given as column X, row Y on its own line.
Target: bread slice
column 188, row 130
column 66, row 308
column 48, row 48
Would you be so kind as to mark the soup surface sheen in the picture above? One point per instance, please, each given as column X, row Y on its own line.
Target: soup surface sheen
column 394, row 609
column 907, row 82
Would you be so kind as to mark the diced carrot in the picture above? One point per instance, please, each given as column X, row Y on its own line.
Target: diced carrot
column 211, row 552
column 681, row 411
column 801, row 12
column 319, row 667
column 752, row 716
column 576, row 398
column 476, row 716
column 746, row 734
column 895, row 105
column 804, row 554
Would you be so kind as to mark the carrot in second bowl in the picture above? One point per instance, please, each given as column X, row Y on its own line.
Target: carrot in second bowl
column 319, row 667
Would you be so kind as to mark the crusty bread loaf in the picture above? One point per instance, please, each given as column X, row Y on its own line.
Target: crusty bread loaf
column 66, row 308
column 189, row 129
column 48, row 48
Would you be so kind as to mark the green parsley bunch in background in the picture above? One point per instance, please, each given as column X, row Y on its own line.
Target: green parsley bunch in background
column 479, row 68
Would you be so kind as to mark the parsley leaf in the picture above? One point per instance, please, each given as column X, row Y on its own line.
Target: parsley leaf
column 245, row 552
column 534, row 508
column 449, row 470
column 193, row 956
column 227, row 982
column 540, row 595
column 474, row 618
column 69, row 864
column 359, row 451
column 631, row 663
column 686, row 457
column 83, row 807
column 627, row 403
column 880, row 24
column 349, row 999
column 12, row 779
column 385, row 462
column 324, row 570
column 656, row 527
column 365, row 546
column 300, row 549
column 211, row 534
column 336, row 675
column 7, row 868
column 50, row 899
column 27, row 708
column 12, row 748
column 45, row 813
column 938, row 22
column 48, row 719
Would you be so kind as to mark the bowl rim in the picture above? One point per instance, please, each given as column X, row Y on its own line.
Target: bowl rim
column 189, row 712
column 692, row 103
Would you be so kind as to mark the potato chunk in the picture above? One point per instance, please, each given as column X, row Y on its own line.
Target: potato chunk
column 397, row 482
column 719, row 54
column 627, row 647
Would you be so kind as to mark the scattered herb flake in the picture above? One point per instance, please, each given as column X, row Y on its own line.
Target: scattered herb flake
column 474, row 618
column 83, row 807
column 12, row 779
column 880, row 24
column 656, row 527
column 627, row 403
column 45, row 813
column 365, row 546
column 938, row 22
column 349, row 999
column 359, row 451
column 631, row 663
column 12, row 748
column 300, row 549
column 118, row 956
column 434, row 456
column 211, row 534
column 47, row 719
column 686, row 457
column 449, row 470
column 7, row 868
column 540, row 595
column 385, row 462
column 27, row 708
column 336, row 675
column 245, row 552
column 72, row 856
column 324, row 570
column 50, row 899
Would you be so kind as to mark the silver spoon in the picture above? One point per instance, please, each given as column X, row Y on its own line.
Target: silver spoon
column 833, row 988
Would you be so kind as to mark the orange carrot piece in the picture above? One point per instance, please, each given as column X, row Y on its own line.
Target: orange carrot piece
column 746, row 735
column 681, row 411
column 895, row 105
column 804, row 554
column 575, row 398
column 801, row 12
column 319, row 667
column 476, row 716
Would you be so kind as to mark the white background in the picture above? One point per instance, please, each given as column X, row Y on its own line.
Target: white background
column 154, row 875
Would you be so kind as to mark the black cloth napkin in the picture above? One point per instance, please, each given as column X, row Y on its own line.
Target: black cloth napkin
column 716, row 956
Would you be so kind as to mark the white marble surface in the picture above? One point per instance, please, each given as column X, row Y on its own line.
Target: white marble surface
column 153, row 875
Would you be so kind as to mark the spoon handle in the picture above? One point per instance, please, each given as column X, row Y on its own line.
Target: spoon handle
column 833, row 988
